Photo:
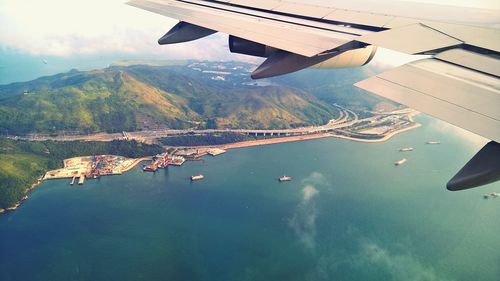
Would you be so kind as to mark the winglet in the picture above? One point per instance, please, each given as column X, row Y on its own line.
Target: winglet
column 483, row 168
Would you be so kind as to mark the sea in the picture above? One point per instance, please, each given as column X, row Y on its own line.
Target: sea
column 348, row 214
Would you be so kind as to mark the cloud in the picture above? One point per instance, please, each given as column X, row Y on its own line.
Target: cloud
column 82, row 27
column 309, row 192
column 94, row 27
column 398, row 265
column 303, row 221
column 375, row 262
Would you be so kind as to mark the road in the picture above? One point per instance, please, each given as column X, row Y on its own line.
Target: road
column 347, row 118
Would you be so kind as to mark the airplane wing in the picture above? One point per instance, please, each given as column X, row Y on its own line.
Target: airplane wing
column 459, row 83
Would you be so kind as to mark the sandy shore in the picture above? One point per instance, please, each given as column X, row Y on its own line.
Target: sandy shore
column 309, row 137
column 273, row 141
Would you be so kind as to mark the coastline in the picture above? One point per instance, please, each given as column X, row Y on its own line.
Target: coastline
column 237, row 145
column 385, row 138
column 308, row 137
column 127, row 168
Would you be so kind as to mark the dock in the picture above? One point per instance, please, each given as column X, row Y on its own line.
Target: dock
column 81, row 180
column 215, row 151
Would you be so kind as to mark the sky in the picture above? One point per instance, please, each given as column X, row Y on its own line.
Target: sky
column 97, row 28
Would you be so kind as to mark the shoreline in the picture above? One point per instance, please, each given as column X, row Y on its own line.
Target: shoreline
column 41, row 179
column 278, row 140
column 236, row 145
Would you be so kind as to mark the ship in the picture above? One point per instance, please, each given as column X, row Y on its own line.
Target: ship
column 404, row 149
column 400, row 162
column 285, row 178
column 433, row 142
column 197, row 177
column 149, row 168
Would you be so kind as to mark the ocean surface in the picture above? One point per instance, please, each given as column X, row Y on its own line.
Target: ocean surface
column 348, row 214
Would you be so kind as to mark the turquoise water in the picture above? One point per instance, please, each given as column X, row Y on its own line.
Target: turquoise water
column 349, row 214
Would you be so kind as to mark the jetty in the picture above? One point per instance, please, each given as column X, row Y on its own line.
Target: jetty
column 81, row 180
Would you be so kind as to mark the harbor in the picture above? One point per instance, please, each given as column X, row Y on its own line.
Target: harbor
column 79, row 169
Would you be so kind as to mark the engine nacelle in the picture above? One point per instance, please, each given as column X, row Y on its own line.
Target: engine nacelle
column 247, row 47
column 350, row 58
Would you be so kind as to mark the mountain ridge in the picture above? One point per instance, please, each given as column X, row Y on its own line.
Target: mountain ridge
column 138, row 97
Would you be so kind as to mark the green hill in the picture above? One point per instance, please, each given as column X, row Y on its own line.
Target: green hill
column 22, row 162
column 143, row 97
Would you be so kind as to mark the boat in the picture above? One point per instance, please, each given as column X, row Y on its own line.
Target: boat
column 400, row 162
column 197, row 177
column 404, row 149
column 433, row 142
column 149, row 168
column 285, row 178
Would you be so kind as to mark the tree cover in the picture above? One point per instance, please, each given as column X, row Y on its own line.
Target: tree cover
column 22, row 162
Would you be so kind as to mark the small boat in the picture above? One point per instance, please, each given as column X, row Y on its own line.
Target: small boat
column 197, row 177
column 400, row 162
column 405, row 149
column 285, row 178
column 433, row 142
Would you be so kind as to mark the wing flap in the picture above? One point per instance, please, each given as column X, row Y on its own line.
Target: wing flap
column 471, row 60
column 368, row 19
column 412, row 39
column 459, row 96
column 304, row 10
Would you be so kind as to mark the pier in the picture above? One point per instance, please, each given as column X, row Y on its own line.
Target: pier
column 81, row 180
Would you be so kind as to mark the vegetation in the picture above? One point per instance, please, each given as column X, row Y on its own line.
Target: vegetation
column 205, row 139
column 22, row 162
column 129, row 98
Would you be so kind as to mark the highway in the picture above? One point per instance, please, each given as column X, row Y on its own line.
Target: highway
column 347, row 118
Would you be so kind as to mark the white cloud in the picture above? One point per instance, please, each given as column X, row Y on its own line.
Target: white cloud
column 76, row 27
column 309, row 192
column 398, row 265
column 303, row 221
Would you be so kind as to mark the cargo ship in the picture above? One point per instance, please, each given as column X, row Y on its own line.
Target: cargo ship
column 285, row 178
column 405, row 149
column 150, row 168
column 400, row 162
column 197, row 177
